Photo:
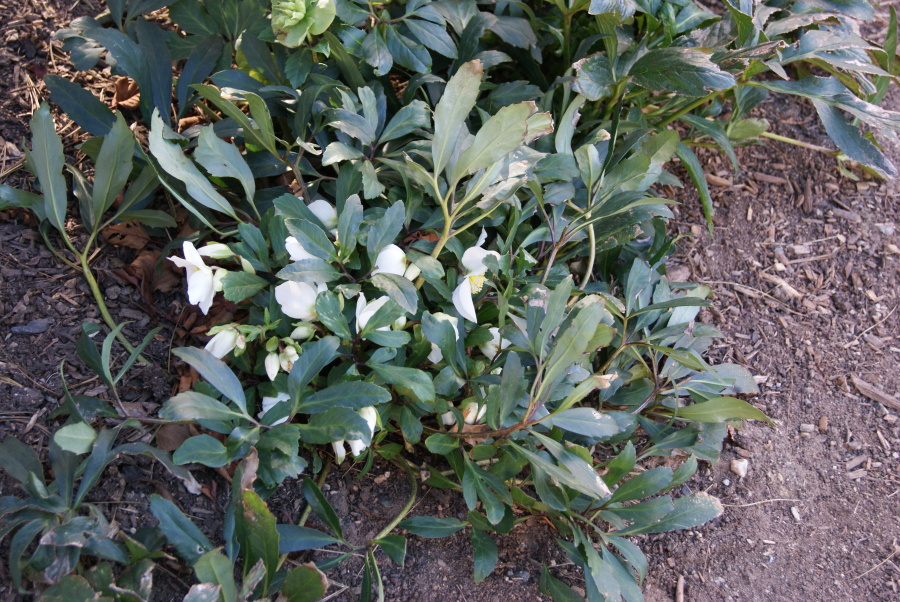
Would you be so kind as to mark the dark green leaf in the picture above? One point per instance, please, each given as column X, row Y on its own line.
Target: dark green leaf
column 191, row 405
column 432, row 527
column 485, row 554
column 47, row 159
column 643, row 485
column 687, row 71
column 224, row 160
column 335, row 424
column 239, row 286
column 556, row 589
column 594, row 77
column 321, row 507
column 720, row 409
column 255, row 528
column 328, row 306
column 419, row 383
column 312, row 361
column 412, row 116
column 848, row 139
column 304, row 583
column 81, row 105
column 202, row 449
column 698, row 177
column 153, row 218
column 216, row 372
column 214, row 568
column 394, row 546
column 690, row 511
column 441, row 444
column 184, row 535
column 398, row 288
column 20, row 460
column 293, row 538
column 350, row 394
column 452, row 110
column 386, row 230
column 588, row 422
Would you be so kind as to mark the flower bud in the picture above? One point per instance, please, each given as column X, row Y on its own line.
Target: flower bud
column 216, row 250
column 303, row 331
column 272, row 365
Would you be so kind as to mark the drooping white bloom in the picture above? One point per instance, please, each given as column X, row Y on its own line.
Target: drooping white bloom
column 436, row 355
column 391, row 260
column 493, row 347
column 365, row 311
column 326, row 213
column 200, row 277
column 370, row 414
column 296, row 250
column 473, row 281
column 270, row 402
column 272, row 365
column 298, row 299
column 224, row 342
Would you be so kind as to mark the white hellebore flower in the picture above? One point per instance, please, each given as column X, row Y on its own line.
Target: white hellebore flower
column 436, row 355
column 296, row 250
column 272, row 365
column 356, row 445
column 270, row 402
column 326, row 213
column 473, row 281
column 492, row 347
column 202, row 281
column 224, row 342
column 298, row 299
column 365, row 311
column 392, row 260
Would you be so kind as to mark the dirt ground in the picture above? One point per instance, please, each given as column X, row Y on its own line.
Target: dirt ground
column 806, row 273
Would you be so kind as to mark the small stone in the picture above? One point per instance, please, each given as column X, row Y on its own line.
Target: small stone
column 890, row 418
column 33, row 327
column 726, row 482
column 886, row 229
column 795, row 513
column 807, row 428
column 740, row 467
column 823, row 424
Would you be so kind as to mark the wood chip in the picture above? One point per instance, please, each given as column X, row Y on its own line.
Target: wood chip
column 857, row 474
column 874, row 393
column 851, row 464
column 850, row 216
column 763, row 177
column 789, row 290
column 717, row 181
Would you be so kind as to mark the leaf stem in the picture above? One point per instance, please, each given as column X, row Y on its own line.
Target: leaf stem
column 687, row 109
column 409, row 503
column 800, row 143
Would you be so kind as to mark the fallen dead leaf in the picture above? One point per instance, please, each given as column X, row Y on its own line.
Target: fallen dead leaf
column 170, row 436
column 126, row 234
column 127, row 94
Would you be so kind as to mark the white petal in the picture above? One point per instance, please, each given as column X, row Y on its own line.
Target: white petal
column 222, row 343
column 436, row 355
column 191, row 254
column 481, row 238
column 201, row 289
column 326, row 213
column 442, row 317
column 297, row 300
column 370, row 414
column 296, row 250
column 216, row 250
column 391, row 260
column 473, row 260
column 339, row 452
column 462, row 300
column 356, row 446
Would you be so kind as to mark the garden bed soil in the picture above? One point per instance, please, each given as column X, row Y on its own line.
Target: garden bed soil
column 805, row 271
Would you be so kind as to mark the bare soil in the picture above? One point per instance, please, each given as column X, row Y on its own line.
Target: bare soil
column 805, row 271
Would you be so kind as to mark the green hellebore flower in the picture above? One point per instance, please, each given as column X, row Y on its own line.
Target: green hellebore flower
column 293, row 20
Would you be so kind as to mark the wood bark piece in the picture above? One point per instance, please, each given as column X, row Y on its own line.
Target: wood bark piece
column 874, row 393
